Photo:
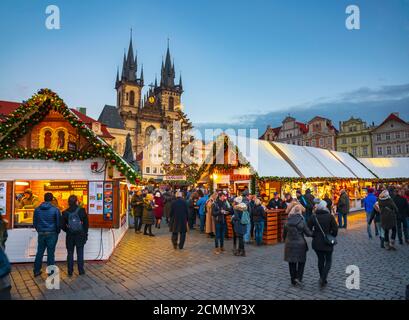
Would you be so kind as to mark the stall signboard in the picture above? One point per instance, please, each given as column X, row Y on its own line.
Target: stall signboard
column 108, row 201
column 175, row 178
column 3, row 198
column 66, row 186
column 96, row 198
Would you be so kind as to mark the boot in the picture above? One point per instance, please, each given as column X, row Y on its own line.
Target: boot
column 387, row 247
column 243, row 253
column 382, row 243
column 392, row 245
column 216, row 251
column 236, row 252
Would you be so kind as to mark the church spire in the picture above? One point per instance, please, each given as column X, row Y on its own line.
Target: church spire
column 168, row 71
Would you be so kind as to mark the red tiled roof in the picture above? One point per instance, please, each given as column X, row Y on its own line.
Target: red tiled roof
column 7, row 107
column 392, row 117
column 303, row 127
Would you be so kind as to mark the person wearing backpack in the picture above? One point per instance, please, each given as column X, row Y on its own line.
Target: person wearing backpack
column 75, row 225
column 389, row 212
column 324, row 226
column 240, row 221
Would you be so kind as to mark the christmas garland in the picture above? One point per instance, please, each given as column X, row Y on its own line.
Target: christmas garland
column 32, row 112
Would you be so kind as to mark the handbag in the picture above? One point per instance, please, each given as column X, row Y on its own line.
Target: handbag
column 328, row 238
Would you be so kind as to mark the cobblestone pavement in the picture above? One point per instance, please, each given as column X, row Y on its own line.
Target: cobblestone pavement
column 149, row 268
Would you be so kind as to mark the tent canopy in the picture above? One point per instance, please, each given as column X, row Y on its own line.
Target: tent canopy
column 388, row 168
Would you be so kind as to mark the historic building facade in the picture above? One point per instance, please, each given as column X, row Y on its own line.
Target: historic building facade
column 355, row 137
column 140, row 114
column 391, row 138
column 320, row 133
column 291, row 131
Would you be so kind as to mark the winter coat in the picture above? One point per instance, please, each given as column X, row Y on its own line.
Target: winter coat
column 147, row 215
column 239, row 228
column 310, row 202
column 3, row 233
column 158, row 211
column 328, row 225
column 258, row 214
column 375, row 215
column 201, row 203
column 343, row 204
column 295, row 249
column 369, row 202
column 168, row 199
column 81, row 238
column 47, row 218
column 210, row 226
column 179, row 213
column 217, row 211
column 276, row 204
column 403, row 207
column 388, row 213
column 137, row 205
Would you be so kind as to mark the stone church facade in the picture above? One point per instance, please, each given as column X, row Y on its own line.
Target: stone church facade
column 140, row 114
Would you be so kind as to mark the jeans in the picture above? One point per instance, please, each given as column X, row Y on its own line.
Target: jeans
column 5, row 294
column 147, row 227
column 368, row 226
column 181, row 240
column 296, row 270
column 46, row 240
column 138, row 224
column 307, row 216
column 202, row 222
column 219, row 239
column 380, row 230
column 192, row 219
column 402, row 228
column 241, row 241
column 342, row 216
column 258, row 230
column 252, row 229
column 247, row 235
column 387, row 234
column 324, row 263
column 72, row 242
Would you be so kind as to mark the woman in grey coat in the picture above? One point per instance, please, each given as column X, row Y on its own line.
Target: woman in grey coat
column 295, row 250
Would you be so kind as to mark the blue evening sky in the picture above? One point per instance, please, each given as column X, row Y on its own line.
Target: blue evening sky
column 241, row 61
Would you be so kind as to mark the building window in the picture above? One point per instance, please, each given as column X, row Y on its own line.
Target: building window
column 344, row 141
column 407, row 148
column 378, row 137
column 132, row 98
column 321, row 142
column 171, row 103
column 155, row 170
column 364, row 138
column 388, row 136
column 365, row 151
column 354, row 140
column 380, row 152
column 313, row 143
column 354, row 151
column 148, row 170
column 389, row 150
column 344, row 150
column 299, row 142
column 407, row 135
column 161, row 171
column 398, row 149
column 307, row 143
column 397, row 135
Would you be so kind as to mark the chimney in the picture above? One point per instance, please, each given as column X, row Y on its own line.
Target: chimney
column 82, row 110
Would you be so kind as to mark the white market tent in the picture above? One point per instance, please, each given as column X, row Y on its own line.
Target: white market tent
column 388, row 168
column 354, row 165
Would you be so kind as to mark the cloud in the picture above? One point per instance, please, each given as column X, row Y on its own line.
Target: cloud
column 372, row 105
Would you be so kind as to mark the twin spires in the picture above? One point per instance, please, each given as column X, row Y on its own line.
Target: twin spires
column 130, row 70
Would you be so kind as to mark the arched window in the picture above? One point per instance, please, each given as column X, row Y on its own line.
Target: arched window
column 171, row 103
column 148, row 134
column 132, row 98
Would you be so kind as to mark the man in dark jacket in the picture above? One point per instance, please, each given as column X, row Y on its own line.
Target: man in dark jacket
column 179, row 214
column 323, row 223
column 403, row 214
column 276, row 202
column 137, row 210
column 307, row 203
column 47, row 224
column 220, row 209
column 75, row 239
column 343, row 209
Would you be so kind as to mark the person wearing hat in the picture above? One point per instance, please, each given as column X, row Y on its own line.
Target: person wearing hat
column 388, row 213
column 240, row 229
column 158, row 209
column 276, row 202
column 147, row 215
column 220, row 210
column 369, row 203
column 29, row 200
column 343, row 209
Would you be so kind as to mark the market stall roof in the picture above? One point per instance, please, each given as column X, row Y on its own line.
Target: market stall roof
column 359, row 170
column 388, row 168
column 263, row 158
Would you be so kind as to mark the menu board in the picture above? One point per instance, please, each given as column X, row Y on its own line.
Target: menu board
column 96, row 198
column 3, row 198
column 108, row 201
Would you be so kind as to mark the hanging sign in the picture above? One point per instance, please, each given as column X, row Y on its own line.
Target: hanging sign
column 108, row 201
column 96, row 198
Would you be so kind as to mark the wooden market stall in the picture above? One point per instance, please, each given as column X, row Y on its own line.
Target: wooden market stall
column 45, row 147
